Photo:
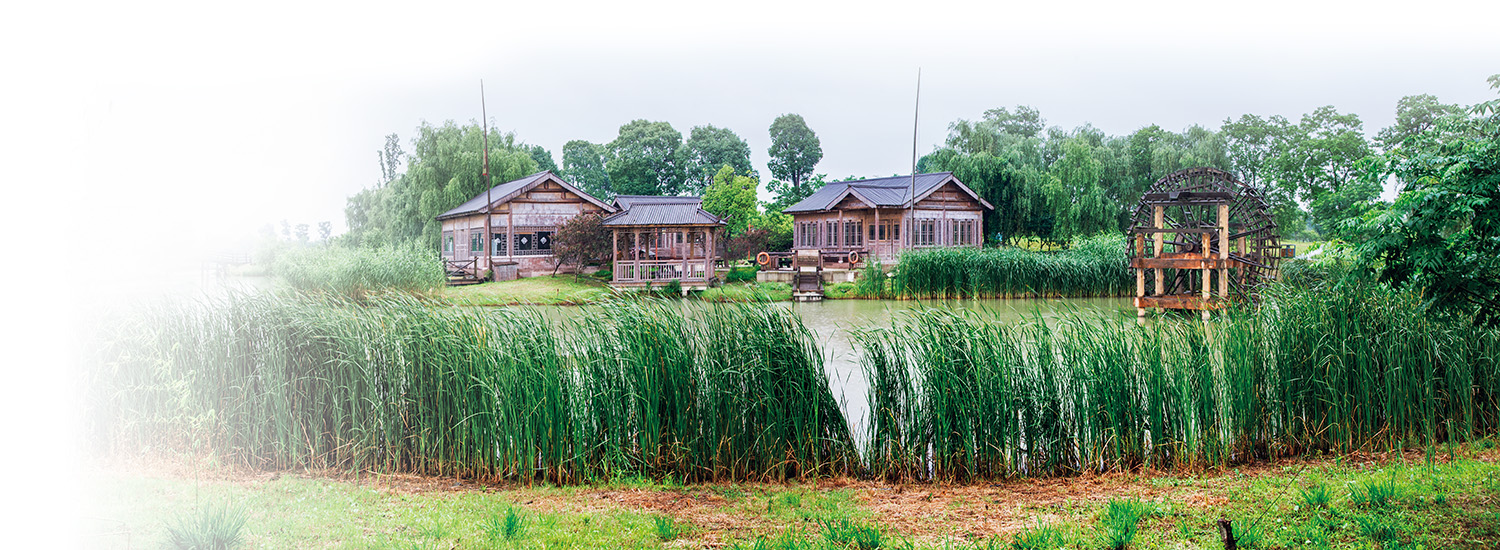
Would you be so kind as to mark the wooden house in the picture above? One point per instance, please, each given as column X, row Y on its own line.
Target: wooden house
column 523, row 215
column 660, row 239
column 882, row 217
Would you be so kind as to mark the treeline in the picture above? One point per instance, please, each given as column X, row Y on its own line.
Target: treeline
column 1319, row 171
column 647, row 158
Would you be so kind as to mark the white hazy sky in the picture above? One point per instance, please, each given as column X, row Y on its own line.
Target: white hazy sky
column 132, row 132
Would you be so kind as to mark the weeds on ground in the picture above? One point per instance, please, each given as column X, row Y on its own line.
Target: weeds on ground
column 848, row 534
column 1120, row 522
column 210, row 527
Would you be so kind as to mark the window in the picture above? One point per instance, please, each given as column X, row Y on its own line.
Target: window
column 807, row 235
column 963, row 232
column 831, row 233
column 925, row 234
column 499, row 241
column 883, row 228
column 448, row 244
column 872, row 232
column 476, row 242
column 544, row 240
column 853, row 234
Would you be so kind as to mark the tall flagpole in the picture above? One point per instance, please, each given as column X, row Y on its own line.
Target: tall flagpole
column 911, row 210
column 489, row 235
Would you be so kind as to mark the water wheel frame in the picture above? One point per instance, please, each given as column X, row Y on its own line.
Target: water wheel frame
column 1190, row 200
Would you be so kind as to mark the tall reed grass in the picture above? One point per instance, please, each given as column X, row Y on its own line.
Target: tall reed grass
column 1094, row 266
column 354, row 271
column 959, row 395
column 391, row 384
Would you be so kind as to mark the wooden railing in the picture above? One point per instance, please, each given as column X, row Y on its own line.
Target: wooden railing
column 660, row 270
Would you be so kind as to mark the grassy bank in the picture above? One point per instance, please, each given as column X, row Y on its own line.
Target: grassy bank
column 1090, row 267
column 1319, row 504
column 542, row 290
column 958, row 395
column 655, row 388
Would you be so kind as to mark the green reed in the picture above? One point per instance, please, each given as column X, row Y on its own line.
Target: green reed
column 393, row 384
column 1092, row 266
column 960, row 395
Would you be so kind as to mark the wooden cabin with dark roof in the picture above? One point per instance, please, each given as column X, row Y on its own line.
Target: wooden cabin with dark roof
column 882, row 217
column 657, row 240
column 523, row 215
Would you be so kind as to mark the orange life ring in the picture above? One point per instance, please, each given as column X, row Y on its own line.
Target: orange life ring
column 853, row 258
column 763, row 258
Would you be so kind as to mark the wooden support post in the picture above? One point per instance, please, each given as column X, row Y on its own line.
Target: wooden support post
column 1140, row 276
column 1224, row 250
column 1156, row 250
column 1208, row 276
column 614, row 251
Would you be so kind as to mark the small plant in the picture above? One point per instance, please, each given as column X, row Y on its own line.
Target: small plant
column 666, row 528
column 1377, row 528
column 210, row 528
column 848, row 534
column 673, row 288
column 1249, row 535
column 1121, row 520
column 1375, row 493
column 1041, row 537
column 1316, row 496
column 509, row 526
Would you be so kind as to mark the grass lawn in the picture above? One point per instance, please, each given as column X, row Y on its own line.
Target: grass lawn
column 544, row 290
column 747, row 292
column 1374, row 501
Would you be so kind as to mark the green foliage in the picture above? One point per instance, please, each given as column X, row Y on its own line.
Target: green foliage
column 209, row 527
column 731, row 197
column 959, row 395
column 778, row 228
column 666, row 527
column 872, row 281
column 584, row 165
column 647, row 158
column 1376, row 492
column 741, row 274
column 795, row 150
column 629, row 387
column 542, row 157
column 1093, row 266
column 710, row 148
column 1442, row 234
column 1316, row 495
column 1040, row 537
column 1120, row 521
column 443, row 171
column 843, row 533
column 355, row 272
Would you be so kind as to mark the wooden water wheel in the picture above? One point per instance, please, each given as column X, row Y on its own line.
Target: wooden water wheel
column 1194, row 224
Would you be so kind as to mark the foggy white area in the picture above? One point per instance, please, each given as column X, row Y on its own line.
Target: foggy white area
column 148, row 135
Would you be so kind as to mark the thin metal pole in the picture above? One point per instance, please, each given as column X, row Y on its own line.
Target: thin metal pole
column 489, row 238
column 911, row 209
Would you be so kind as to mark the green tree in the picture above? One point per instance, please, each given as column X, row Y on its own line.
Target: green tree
column 708, row 149
column 788, row 194
column 583, row 166
column 732, row 198
column 1075, row 196
column 794, row 151
column 442, row 171
column 646, row 159
column 542, row 157
column 391, row 157
column 1418, row 116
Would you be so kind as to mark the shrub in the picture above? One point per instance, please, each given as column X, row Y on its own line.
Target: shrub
column 741, row 274
column 604, row 274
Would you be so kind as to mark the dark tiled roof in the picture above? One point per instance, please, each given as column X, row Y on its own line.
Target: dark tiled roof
column 640, row 210
column 892, row 192
column 505, row 191
column 626, row 201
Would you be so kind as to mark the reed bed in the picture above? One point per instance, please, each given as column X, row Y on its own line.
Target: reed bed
column 957, row 395
column 1090, row 267
column 653, row 388
column 354, row 271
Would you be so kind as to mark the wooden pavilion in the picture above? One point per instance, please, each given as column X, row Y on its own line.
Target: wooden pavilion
column 515, row 222
column 881, row 217
column 661, row 239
